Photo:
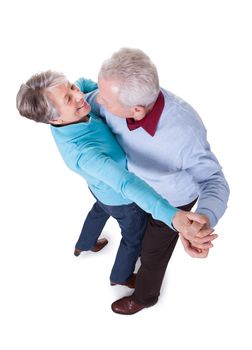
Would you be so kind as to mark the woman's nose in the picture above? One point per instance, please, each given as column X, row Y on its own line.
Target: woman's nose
column 79, row 96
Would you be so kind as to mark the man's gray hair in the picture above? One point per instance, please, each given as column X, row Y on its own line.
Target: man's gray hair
column 32, row 100
column 135, row 74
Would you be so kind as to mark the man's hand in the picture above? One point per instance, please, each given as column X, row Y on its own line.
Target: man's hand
column 193, row 251
column 189, row 223
column 195, row 228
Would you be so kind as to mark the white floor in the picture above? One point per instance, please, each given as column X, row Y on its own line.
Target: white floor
column 49, row 299
column 53, row 300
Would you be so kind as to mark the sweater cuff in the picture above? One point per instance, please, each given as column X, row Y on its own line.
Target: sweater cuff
column 212, row 218
column 166, row 213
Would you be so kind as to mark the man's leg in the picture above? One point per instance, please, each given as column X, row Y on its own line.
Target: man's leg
column 157, row 247
column 92, row 227
column 132, row 221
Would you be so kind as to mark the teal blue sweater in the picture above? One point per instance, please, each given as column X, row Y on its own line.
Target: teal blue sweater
column 91, row 150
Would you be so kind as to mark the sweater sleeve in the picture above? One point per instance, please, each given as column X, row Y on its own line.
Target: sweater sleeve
column 129, row 185
column 202, row 164
column 86, row 85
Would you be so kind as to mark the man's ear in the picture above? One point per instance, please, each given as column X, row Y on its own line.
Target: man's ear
column 139, row 112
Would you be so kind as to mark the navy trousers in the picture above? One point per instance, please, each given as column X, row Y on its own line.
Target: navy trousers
column 132, row 221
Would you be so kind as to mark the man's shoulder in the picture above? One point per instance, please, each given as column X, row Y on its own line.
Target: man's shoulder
column 174, row 101
column 181, row 111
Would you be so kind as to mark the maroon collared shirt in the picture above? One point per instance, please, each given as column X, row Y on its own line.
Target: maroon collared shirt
column 150, row 122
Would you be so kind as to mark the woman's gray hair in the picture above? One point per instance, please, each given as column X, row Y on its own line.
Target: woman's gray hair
column 135, row 75
column 32, row 101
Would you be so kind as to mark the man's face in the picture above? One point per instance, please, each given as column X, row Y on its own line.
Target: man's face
column 69, row 102
column 108, row 98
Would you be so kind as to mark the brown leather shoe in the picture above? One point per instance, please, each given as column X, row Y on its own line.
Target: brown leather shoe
column 130, row 283
column 96, row 248
column 99, row 245
column 77, row 252
column 126, row 306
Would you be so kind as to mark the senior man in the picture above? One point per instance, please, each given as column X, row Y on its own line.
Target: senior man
column 166, row 145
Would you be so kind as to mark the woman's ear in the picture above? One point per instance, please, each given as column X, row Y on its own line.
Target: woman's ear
column 56, row 121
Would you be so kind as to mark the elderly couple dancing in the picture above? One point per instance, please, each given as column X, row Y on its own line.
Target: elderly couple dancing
column 144, row 154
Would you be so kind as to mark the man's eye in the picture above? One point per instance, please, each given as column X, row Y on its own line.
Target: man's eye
column 73, row 87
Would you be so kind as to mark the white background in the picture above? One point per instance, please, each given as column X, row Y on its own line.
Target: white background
column 53, row 300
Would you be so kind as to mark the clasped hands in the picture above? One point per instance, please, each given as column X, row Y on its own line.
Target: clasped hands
column 195, row 233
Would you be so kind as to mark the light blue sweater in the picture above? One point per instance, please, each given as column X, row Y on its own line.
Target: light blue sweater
column 91, row 150
column 177, row 161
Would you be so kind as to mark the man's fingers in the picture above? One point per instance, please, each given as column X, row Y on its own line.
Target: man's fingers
column 202, row 255
column 207, row 245
column 197, row 252
column 193, row 251
column 205, row 232
column 185, row 242
column 197, row 217
column 205, row 239
column 194, row 228
column 204, row 242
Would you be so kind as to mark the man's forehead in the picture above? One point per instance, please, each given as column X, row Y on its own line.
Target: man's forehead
column 108, row 87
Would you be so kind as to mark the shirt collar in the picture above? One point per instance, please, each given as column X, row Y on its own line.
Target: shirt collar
column 150, row 122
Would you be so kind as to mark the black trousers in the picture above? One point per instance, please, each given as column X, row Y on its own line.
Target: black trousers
column 157, row 248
